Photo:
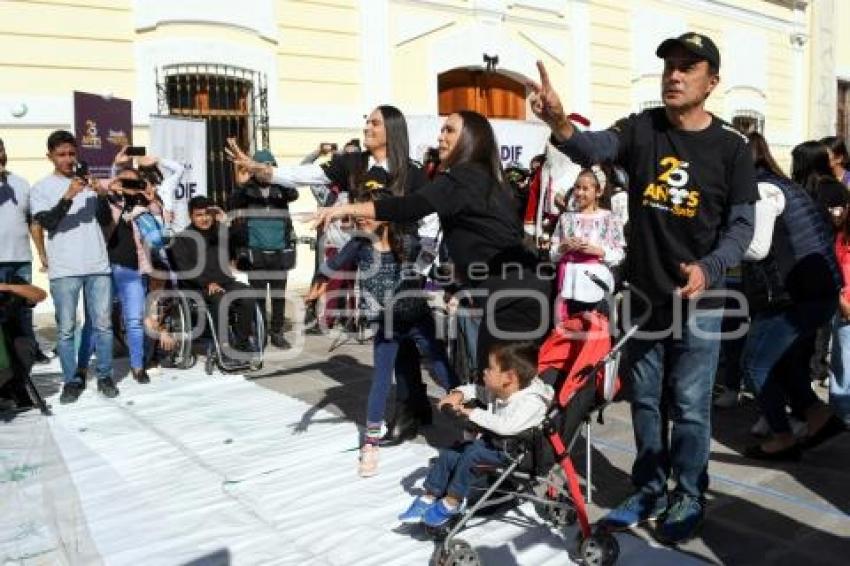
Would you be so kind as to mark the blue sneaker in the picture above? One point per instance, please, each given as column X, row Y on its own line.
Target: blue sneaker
column 682, row 519
column 416, row 511
column 637, row 508
column 438, row 514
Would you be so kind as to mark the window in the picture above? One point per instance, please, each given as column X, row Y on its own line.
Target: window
column 232, row 101
column 489, row 93
column 748, row 121
column 842, row 118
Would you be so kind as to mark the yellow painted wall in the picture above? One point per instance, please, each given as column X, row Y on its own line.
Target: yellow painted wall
column 53, row 47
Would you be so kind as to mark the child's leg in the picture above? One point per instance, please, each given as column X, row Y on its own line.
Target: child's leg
column 441, row 471
column 425, row 336
column 384, row 353
column 475, row 453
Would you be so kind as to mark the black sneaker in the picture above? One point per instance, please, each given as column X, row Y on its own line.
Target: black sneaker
column 280, row 341
column 107, row 387
column 141, row 375
column 41, row 357
column 71, row 391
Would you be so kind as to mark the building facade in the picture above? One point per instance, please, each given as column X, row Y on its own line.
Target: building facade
column 293, row 73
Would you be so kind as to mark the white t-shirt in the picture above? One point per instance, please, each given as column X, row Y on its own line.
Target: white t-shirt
column 76, row 246
column 14, row 231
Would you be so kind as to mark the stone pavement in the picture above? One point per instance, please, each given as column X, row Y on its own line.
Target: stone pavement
column 759, row 513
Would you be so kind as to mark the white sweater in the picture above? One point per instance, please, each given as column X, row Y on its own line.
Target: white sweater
column 522, row 410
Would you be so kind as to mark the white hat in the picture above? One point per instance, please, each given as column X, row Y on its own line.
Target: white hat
column 582, row 282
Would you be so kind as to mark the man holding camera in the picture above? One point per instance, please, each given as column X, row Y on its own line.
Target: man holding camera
column 71, row 210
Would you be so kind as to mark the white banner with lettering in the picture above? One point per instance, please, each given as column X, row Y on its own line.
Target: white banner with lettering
column 518, row 140
column 183, row 140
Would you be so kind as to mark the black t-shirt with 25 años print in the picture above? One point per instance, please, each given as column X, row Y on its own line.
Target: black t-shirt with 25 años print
column 682, row 184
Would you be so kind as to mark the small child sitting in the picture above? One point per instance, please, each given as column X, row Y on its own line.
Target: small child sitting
column 517, row 401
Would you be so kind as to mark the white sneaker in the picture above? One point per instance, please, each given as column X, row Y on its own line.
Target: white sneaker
column 761, row 428
column 368, row 465
column 726, row 399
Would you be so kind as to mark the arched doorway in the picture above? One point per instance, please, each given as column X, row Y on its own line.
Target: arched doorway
column 489, row 93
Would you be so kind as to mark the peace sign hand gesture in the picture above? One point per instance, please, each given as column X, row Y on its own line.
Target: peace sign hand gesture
column 546, row 105
column 245, row 165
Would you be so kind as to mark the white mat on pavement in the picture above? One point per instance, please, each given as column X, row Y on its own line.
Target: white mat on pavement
column 192, row 467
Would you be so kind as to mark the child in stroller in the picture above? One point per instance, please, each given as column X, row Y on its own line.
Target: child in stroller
column 519, row 402
column 579, row 360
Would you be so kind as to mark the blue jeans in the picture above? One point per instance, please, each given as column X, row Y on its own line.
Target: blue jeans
column 98, row 306
column 839, row 379
column 771, row 335
column 672, row 377
column 129, row 287
column 23, row 270
column 384, row 352
column 452, row 473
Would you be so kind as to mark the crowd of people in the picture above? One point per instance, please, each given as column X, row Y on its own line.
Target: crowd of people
column 743, row 273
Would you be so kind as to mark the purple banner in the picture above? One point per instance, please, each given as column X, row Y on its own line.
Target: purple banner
column 101, row 125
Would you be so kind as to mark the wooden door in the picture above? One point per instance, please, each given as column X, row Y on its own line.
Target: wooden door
column 488, row 93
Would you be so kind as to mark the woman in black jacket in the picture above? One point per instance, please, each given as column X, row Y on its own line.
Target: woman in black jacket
column 791, row 292
column 481, row 232
column 387, row 159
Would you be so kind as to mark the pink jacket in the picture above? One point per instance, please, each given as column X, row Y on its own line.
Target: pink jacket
column 842, row 254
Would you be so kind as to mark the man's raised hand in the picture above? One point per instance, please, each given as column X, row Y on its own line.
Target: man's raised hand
column 546, row 104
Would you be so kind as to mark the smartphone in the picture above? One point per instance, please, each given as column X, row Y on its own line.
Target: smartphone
column 81, row 169
column 134, row 184
column 135, row 151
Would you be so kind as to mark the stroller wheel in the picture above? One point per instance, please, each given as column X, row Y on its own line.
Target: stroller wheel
column 458, row 553
column 599, row 549
column 209, row 364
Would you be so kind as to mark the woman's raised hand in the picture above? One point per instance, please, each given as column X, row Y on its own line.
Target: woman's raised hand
column 260, row 171
column 122, row 160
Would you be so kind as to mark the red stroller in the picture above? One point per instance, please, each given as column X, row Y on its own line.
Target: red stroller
column 578, row 361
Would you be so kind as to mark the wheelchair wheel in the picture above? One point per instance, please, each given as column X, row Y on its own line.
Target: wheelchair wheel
column 599, row 549
column 458, row 553
column 182, row 328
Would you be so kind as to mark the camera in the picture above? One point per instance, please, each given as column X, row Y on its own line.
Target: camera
column 135, row 151
column 133, row 184
column 81, row 169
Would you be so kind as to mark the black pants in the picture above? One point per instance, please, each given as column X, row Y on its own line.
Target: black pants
column 22, row 352
column 244, row 309
column 522, row 307
column 269, row 261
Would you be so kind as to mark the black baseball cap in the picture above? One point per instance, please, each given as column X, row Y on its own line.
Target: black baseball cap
column 695, row 43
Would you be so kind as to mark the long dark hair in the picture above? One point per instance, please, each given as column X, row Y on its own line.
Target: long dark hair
column 810, row 164
column 477, row 144
column 762, row 158
column 398, row 147
column 838, row 148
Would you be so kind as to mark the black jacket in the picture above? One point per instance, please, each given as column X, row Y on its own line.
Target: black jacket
column 186, row 254
column 801, row 264
column 250, row 197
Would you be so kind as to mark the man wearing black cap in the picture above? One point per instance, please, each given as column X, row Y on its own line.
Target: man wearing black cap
column 691, row 214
